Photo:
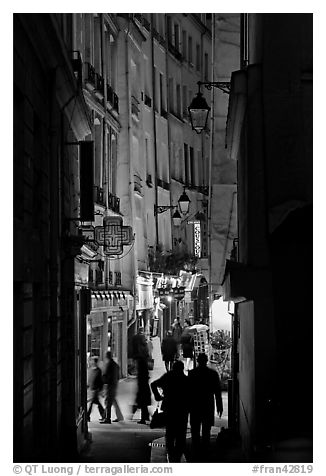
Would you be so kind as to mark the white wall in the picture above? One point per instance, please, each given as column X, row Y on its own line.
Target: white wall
column 221, row 319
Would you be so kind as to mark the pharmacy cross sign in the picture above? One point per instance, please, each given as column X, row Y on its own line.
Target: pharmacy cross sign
column 113, row 236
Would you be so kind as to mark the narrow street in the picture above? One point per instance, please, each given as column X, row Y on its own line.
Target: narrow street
column 163, row 194
column 127, row 441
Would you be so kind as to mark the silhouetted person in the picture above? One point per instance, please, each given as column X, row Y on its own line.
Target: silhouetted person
column 95, row 385
column 139, row 345
column 175, row 387
column 176, row 330
column 205, row 391
column 169, row 350
column 141, row 356
column 110, row 378
column 187, row 345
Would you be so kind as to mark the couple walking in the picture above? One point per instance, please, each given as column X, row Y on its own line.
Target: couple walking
column 107, row 381
column 195, row 394
column 174, row 339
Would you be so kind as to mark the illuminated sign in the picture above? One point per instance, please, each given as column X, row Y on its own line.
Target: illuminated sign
column 197, row 240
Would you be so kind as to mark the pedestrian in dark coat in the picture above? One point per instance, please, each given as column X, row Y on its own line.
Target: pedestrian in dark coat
column 175, row 387
column 139, row 345
column 187, row 345
column 205, row 391
column 169, row 350
column 111, row 379
column 176, row 330
column 141, row 356
column 95, row 385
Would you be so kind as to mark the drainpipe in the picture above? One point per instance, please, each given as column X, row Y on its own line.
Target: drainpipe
column 105, row 142
column 154, row 129
column 209, row 208
column 131, row 178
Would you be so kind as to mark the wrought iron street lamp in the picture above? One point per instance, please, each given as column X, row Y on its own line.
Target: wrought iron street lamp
column 183, row 202
column 199, row 109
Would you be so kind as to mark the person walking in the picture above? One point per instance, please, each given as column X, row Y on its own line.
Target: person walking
column 110, row 378
column 176, row 330
column 143, row 395
column 205, row 391
column 187, row 345
column 169, row 350
column 95, row 385
column 175, row 388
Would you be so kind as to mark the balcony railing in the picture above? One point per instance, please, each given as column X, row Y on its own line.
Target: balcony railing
column 99, row 86
column 115, row 102
column 112, row 98
column 135, row 107
column 148, row 101
column 176, row 53
column 89, row 75
column 164, row 113
column 158, row 37
column 138, row 184
column 161, row 183
column 149, row 181
column 99, row 195
column 114, row 203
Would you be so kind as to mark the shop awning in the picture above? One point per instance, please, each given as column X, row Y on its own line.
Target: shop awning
column 108, row 295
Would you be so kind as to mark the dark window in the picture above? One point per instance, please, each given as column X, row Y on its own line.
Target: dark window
column 186, row 162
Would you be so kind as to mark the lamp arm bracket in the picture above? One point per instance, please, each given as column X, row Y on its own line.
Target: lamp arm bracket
column 162, row 208
column 222, row 85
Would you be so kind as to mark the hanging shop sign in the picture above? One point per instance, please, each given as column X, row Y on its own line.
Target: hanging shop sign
column 113, row 235
column 178, row 293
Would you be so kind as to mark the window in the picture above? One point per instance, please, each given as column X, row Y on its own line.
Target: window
column 190, row 49
column 200, row 168
column 157, row 92
column 206, row 67
column 169, row 28
column 197, row 57
column 177, row 36
column 162, row 95
column 147, row 156
column 192, row 166
column 178, row 111
column 171, row 95
column 134, row 79
column 146, row 76
column 98, row 153
column 97, row 45
column 89, row 44
column 184, row 43
column 186, row 163
column 184, row 101
column 161, row 18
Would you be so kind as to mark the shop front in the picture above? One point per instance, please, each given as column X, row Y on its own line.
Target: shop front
column 145, row 303
column 107, row 326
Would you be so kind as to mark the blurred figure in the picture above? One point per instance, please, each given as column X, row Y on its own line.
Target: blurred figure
column 139, row 345
column 141, row 356
column 187, row 345
column 205, row 391
column 111, row 379
column 169, row 350
column 175, row 388
column 176, row 330
column 95, row 385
